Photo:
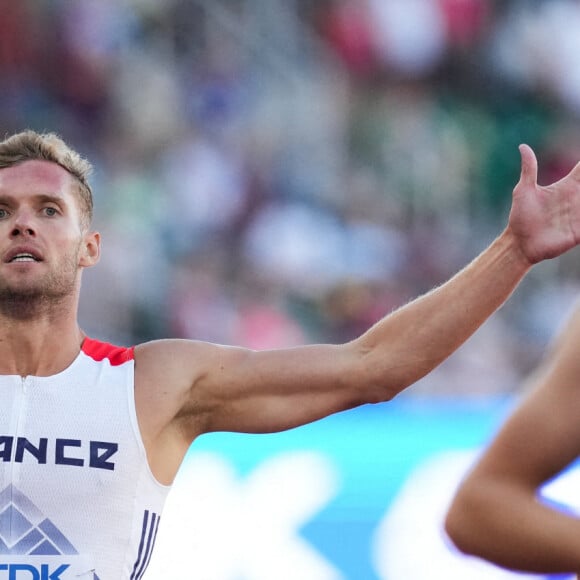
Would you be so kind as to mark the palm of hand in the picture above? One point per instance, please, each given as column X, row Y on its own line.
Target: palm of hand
column 545, row 220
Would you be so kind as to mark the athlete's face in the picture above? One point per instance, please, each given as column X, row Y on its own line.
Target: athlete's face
column 42, row 243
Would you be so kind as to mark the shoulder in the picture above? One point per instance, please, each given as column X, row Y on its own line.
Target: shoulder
column 166, row 374
column 169, row 359
column 179, row 364
column 177, row 379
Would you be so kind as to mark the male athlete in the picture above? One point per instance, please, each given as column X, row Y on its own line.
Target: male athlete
column 92, row 435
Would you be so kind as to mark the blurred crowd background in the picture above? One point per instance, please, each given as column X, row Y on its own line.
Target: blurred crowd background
column 274, row 172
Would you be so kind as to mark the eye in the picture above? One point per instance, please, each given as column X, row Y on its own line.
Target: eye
column 3, row 213
column 50, row 211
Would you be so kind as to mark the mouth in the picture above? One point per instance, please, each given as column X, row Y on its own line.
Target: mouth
column 23, row 257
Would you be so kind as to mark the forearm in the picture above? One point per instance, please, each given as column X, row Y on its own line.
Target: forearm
column 509, row 527
column 410, row 342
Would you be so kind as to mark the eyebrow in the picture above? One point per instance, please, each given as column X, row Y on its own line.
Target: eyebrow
column 7, row 199
column 50, row 198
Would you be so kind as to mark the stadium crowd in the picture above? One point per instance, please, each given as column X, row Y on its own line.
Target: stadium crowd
column 274, row 172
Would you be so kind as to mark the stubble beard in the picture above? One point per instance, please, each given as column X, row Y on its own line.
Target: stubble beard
column 42, row 297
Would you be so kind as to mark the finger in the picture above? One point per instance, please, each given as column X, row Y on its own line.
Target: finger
column 575, row 173
column 529, row 173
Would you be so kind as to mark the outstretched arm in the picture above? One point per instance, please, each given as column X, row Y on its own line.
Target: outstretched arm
column 544, row 222
column 496, row 513
column 233, row 389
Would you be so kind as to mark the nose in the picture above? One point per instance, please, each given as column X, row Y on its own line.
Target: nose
column 23, row 226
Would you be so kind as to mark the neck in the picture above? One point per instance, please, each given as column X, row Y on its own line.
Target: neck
column 36, row 339
column 18, row 308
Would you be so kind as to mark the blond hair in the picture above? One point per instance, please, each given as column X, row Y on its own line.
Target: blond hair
column 30, row 145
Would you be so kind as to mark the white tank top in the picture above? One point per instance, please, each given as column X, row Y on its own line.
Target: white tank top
column 77, row 498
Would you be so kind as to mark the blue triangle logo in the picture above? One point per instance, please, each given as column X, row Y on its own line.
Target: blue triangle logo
column 24, row 530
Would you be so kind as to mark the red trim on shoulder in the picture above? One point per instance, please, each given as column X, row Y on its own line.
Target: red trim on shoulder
column 97, row 350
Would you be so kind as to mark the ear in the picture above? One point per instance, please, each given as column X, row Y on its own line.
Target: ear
column 91, row 250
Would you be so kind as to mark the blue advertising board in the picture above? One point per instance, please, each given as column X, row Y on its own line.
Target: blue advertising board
column 360, row 495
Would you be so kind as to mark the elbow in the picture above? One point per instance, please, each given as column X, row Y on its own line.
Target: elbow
column 368, row 380
column 379, row 391
column 383, row 379
column 386, row 374
column 456, row 526
column 386, row 387
column 466, row 524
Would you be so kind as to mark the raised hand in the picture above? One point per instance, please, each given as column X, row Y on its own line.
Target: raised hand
column 545, row 219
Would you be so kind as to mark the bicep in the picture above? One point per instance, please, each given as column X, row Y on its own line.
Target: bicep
column 268, row 391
